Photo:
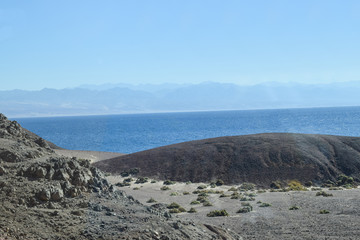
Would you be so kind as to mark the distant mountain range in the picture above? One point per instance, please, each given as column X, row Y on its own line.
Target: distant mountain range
column 208, row 96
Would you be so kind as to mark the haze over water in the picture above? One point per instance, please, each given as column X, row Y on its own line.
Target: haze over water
column 136, row 132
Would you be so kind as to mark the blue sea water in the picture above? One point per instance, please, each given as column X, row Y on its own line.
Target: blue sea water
column 136, row 132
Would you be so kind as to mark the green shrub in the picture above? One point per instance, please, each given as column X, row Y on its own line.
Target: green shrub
column 186, row 193
column 219, row 182
column 265, row 205
column 168, row 182
column 202, row 187
column 173, row 205
column 308, row 184
column 195, row 202
column 123, row 184
column 207, row 204
column 224, row 195
column 324, row 211
column 324, row 194
column 141, row 180
column 128, row 180
column 294, row 208
column 295, row 185
column 217, row 213
column 203, row 194
column 151, row 200
column 245, row 209
column 247, row 186
column 201, row 199
column 192, row 210
column 261, row 191
column 174, row 194
column 188, row 182
column 344, row 180
column 153, row 181
column 212, row 185
column 165, row 188
column 136, row 188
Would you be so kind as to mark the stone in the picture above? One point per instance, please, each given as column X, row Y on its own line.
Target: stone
column 44, row 195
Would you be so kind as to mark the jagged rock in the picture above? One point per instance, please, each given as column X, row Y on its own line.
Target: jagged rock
column 9, row 156
column 2, row 170
column 44, row 195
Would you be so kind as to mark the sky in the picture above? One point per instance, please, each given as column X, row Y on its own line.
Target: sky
column 62, row 44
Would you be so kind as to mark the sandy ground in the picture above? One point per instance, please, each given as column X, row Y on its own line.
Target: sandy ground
column 93, row 156
column 274, row 222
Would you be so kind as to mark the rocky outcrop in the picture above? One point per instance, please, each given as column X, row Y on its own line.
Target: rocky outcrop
column 259, row 158
column 46, row 196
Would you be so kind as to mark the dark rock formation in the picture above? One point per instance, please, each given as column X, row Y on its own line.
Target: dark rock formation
column 260, row 159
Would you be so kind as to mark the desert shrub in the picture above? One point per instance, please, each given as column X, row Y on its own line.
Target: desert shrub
column 123, row 184
column 219, row 182
column 295, row 185
column 245, row 209
column 247, row 186
column 165, row 188
column 324, row 211
column 294, row 208
column 328, row 184
column 250, row 194
column 276, row 185
column 203, row 194
column 141, row 180
column 235, row 195
column 192, row 210
column 344, row 180
column 245, row 204
column 186, row 193
column 207, row 204
column 335, row 188
column 308, row 184
column 201, row 199
column 196, row 192
column 324, row 194
column 136, row 188
column 168, row 182
column 174, row 210
column 128, row 180
column 232, row 189
column 224, row 195
column 124, row 174
column 265, row 205
column 247, row 199
column 316, row 189
column 188, row 182
column 132, row 171
column 173, row 205
column 261, row 191
column 151, row 200
column 195, row 202
column 174, row 194
column 212, row 185
column 217, row 213
column 202, row 187
column 153, row 181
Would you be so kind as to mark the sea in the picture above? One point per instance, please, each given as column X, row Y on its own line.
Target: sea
column 128, row 133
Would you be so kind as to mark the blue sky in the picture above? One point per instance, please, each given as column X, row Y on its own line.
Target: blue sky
column 59, row 44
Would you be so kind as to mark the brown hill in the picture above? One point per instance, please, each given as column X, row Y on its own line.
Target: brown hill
column 259, row 158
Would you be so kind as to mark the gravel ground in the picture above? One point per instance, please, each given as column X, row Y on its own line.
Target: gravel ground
column 274, row 222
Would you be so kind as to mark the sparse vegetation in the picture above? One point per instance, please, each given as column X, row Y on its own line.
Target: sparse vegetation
column 324, row 211
column 153, row 181
column 165, row 188
column 192, row 210
column 295, row 185
column 202, row 187
column 265, row 205
column 132, row 171
column 168, row 182
column 136, row 188
column 174, row 194
column 294, row 208
column 175, row 208
column 201, row 199
column 224, row 195
column 276, row 185
column 218, row 213
column 173, row 205
column 123, row 184
column 186, row 193
column 232, row 189
column 207, row 204
column 324, row 194
column 195, row 202
column 219, row 182
column 151, row 200
column 128, row 180
column 247, row 186
column 308, row 184
column 245, row 209
column 141, row 180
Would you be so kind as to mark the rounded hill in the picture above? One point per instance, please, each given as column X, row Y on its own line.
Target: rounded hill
column 258, row 158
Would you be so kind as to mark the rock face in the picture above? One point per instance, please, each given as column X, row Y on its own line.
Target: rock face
column 260, row 159
column 46, row 196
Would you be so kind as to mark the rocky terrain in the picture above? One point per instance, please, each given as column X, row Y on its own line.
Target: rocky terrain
column 259, row 158
column 47, row 196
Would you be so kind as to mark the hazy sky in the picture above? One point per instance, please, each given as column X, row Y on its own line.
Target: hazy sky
column 60, row 44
